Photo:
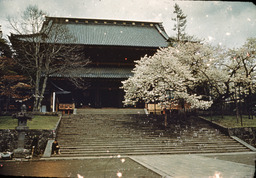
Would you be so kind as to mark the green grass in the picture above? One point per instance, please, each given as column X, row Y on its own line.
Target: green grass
column 231, row 121
column 38, row 122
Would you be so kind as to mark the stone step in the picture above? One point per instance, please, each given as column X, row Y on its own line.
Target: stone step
column 111, row 134
column 146, row 143
column 140, row 137
column 120, row 123
column 139, row 134
column 187, row 145
column 122, row 152
column 156, row 141
column 118, row 154
column 111, row 111
column 142, row 145
column 141, row 129
column 154, row 147
column 121, row 142
column 132, row 131
column 122, row 129
column 145, row 137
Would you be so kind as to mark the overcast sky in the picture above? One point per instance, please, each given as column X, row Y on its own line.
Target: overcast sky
column 226, row 23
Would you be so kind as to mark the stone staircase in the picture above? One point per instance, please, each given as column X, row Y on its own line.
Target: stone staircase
column 115, row 133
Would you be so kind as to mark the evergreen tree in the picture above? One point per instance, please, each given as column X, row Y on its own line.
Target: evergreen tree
column 5, row 50
column 180, row 23
column 13, row 85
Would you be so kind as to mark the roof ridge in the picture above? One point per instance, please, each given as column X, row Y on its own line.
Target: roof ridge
column 99, row 19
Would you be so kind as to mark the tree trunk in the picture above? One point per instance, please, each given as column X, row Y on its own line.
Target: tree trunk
column 221, row 109
column 37, row 85
column 250, row 108
column 237, row 111
column 240, row 108
column 38, row 63
column 42, row 92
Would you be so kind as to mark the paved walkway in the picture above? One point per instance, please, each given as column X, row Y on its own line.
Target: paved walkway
column 199, row 166
column 215, row 165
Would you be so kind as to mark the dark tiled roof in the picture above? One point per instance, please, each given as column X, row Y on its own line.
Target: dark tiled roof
column 96, row 72
column 112, row 32
column 117, row 35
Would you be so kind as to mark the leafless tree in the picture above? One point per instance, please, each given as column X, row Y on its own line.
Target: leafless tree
column 43, row 47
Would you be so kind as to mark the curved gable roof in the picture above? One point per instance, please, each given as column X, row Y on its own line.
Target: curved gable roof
column 106, row 32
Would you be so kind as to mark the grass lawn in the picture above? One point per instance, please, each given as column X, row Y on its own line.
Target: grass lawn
column 231, row 121
column 38, row 122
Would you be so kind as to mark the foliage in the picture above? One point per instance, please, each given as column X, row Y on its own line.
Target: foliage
column 15, row 87
column 240, row 67
column 197, row 73
column 180, row 25
column 12, row 83
column 180, row 21
column 5, row 51
column 164, row 78
column 204, row 64
column 6, row 60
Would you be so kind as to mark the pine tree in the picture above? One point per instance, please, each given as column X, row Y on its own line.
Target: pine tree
column 180, row 25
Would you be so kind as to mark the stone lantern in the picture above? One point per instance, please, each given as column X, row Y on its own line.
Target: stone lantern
column 22, row 127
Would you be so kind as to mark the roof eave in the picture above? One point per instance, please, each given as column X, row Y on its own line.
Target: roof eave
column 98, row 19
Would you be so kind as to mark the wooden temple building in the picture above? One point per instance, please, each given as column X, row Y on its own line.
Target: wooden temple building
column 112, row 46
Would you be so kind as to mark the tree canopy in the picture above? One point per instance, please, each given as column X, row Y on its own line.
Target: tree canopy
column 164, row 78
column 197, row 73
column 13, row 85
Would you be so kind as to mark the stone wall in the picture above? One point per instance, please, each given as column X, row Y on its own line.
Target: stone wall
column 9, row 138
column 247, row 134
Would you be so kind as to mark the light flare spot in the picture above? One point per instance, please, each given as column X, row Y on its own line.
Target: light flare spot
column 210, row 38
column 79, row 176
column 119, row 174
